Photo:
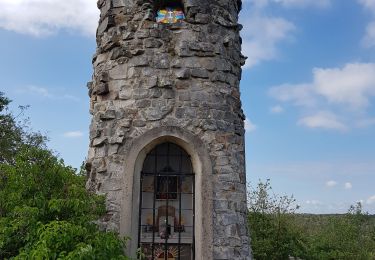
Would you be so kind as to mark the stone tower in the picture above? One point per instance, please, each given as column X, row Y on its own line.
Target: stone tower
column 167, row 131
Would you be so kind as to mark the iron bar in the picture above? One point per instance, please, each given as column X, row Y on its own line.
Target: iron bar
column 179, row 207
column 154, row 207
column 193, row 242
column 168, row 186
column 140, row 211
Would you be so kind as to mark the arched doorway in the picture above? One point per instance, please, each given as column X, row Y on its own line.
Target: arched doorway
column 167, row 204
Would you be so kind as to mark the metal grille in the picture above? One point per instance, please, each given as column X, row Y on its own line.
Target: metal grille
column 166, row 212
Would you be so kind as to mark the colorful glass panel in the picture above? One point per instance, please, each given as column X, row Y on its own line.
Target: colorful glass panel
column 170, row 15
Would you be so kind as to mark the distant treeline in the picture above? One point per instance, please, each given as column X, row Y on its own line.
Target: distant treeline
column 278, row 232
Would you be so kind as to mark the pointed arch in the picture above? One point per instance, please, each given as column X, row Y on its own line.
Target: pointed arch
column 202, row 167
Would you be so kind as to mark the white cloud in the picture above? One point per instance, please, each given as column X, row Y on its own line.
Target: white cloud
column 45, row 17
column 250, row 126
column 276, row 109
column 348, row 90
column 368, row 4
column 369, row 38
column 46, row 93
column 313, row 202
column 371, row 200
column 331, row 184
column 351, row 85
column 304, row 3
column 292, row 3
column 323, row 119
column 69, row 97
column 261, row 35
column 39, row 91
column 73, row 134
column 348, row 186
column 299, row 95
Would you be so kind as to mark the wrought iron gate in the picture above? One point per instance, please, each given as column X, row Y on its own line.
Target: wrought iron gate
column 167, row 205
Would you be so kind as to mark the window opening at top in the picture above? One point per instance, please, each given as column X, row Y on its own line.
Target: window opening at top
column 169, row 11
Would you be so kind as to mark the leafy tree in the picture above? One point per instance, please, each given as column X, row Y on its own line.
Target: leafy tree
column 45, row 210
column 14, row 132
column 271, row 222
column 348, row 236
column 278, row 232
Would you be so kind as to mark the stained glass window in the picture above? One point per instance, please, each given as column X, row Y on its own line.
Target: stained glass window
column 166, row 229
column 170, row 15
column 169, row 11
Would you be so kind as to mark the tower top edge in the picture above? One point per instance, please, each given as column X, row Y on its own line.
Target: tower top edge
column 108, row 4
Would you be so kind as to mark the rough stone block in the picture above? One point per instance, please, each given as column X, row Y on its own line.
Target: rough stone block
column 199, row 73
column 101, row 89
column 183, row 73
column 108, row 115
column 118, row 72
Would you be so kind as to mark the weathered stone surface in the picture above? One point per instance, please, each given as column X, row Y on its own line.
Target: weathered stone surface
column 186, row 76
column 118, row 72
column 202, row 18
column 152, row 43
column 99, row 141
column 125, row 94
column 157, row 113
column 139, row 61
column 101, row 89
column 199, row 73
column 183, row 74
column 107, row 115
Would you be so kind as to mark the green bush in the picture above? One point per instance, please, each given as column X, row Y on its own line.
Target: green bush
column 274, row 234
column 278, row 232
column 15, row 132
column 348, row 236
column 46, row 212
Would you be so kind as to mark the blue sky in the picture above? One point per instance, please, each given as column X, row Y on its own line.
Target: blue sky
column 308, row 89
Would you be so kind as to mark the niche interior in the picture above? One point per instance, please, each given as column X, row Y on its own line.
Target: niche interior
column 169, row 11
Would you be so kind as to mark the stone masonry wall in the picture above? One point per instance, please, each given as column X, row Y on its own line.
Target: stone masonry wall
column 186, row 75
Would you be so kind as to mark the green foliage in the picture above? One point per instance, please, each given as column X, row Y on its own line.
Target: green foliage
column 14, row 132
column 348, row 236
column 273, row 233
column 45, row 210
column 278, row 232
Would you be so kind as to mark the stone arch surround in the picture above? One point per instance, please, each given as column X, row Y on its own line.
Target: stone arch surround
column 202, row 167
